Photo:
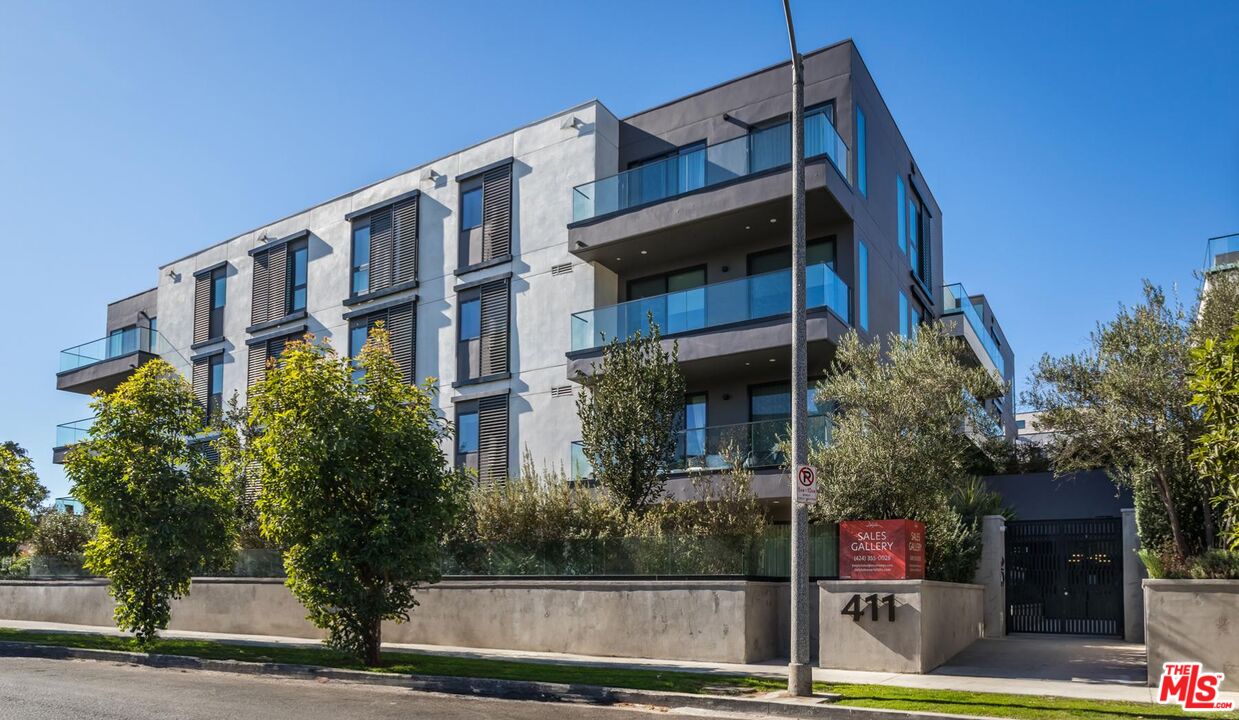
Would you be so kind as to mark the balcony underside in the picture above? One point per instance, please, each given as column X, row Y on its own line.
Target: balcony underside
column 957, row 326
column 104, row 375
column 744, row 349
column 701, row 222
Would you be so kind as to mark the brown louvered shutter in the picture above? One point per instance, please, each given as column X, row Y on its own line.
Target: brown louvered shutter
column 402, row 333
column 256, row 368
column 202, row 380
column 493, row 440
column 275, row 348
column 277, row 302
column 380, row 250
column 494, row 311
column 497, row 213
column 262, row 284
column 202, row 308
column 405, row 216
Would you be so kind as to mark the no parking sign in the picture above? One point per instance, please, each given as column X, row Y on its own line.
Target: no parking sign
column 806, row 484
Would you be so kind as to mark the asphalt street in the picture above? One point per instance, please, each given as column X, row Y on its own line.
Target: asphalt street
column 36, row 689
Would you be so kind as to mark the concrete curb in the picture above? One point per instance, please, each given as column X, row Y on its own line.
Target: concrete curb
column 481, row 687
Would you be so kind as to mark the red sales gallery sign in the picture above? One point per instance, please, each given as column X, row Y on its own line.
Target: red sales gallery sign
column 881, row 550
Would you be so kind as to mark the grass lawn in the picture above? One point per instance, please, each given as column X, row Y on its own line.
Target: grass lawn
column 872, row 696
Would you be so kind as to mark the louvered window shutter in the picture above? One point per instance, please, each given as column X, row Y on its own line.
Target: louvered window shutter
column 256, row 368
column 497, row 213
column 493, row 440
column 277, row 300
column 495, row 327
column 380, row 250
column 202, row 380
column 202, row 308
column 262, row 284
column 402, row 333
column 405, row 263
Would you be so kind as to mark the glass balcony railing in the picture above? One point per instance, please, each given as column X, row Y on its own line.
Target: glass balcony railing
column 74, row 432
column 1223, row 252
column 752, row 444
column 708, row 306
column 955, row 301
column 118, row 344
column 694, row 169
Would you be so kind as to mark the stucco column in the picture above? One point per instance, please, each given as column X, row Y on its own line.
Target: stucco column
column 1133, row 574
column 991, row 572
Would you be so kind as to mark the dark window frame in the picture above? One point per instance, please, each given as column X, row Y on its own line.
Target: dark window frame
column 354, row 268
column 214, row 395
column 216, row 309
column 664, row 276
column 290, row 277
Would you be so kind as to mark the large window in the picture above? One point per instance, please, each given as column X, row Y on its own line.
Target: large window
column 862, row 141
column 693, row 424
column 918, row 238
column 215, row 388
column 862, row 284
column 361, row 259
column 772, row 294
column 676, row 299
column 298, row 271
column 903, row 314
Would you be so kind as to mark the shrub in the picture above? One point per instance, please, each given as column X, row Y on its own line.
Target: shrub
column 63, row 536
column 15, row 567
column 1215, row 565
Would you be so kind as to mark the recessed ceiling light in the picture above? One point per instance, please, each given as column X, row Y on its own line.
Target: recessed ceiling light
column 773, row 220
column 771, row 359
column 748, row 227
column 747, row 364
column 617, row 259
column 644, row 252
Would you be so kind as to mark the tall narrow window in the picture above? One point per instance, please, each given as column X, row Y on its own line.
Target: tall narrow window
column 901, row 202
column 471, row 208
column 215, row 389
column 862, row 142
column 298, row 270
column 862, row 284
column 903, row 314
column 485, row 217
column 467, row 438
column 918, row 238
column 693, row 444
column 400, row 322
column 482, row 331
column 219, row 296
column 361, row 259
column 482, row 438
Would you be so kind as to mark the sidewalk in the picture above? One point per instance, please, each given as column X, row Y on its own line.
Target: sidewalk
column 985, row 667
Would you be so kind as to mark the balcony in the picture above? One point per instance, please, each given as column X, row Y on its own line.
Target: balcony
column 1223, row 253
column 957, row 305
column 754, row 445
column 70, row 434
column 729, row 192
column 104, row 363
column 759, row 151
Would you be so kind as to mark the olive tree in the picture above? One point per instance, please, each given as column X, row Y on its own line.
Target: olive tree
column 20, row 497
column 629, row 410
column 161, row 510
column 907, row 429
column 1215, row 394
column 356, row 489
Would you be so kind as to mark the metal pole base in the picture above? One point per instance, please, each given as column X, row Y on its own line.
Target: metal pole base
column 799, row 679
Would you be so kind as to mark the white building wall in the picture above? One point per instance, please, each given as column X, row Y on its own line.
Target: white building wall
column 549, row 159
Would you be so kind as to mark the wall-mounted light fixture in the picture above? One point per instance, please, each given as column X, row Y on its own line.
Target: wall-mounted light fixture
column 430, row 175
column 572, row 122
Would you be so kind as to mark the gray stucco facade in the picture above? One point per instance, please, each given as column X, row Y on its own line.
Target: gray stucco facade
column 721, row 237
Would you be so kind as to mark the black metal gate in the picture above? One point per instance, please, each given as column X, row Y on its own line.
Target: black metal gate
column 1065, row 576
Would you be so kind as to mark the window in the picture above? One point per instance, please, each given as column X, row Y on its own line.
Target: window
column 116, row 343
column 771, row 293
column 400, row 321
column 215, row 388
column 901, row 203
column 770, row 411
column 471, row 208
column 482, row 330
column 914, row 321
column 693, row 426
column 654, row 178
column 676, row 299
column 219, row 297
column 471, row 319
column 482, row 438
column 467, row 433
column 357, row 336
column 361, row 259
column 918, row 238
column 862, row 141
column 298, row 259
column 152, row 336
column 862, row 284
column 820, row 137
column 263, row 351
column 903, row 314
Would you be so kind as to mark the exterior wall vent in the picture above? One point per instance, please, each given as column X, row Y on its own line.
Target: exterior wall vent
column 561, row 391
column 563, row 269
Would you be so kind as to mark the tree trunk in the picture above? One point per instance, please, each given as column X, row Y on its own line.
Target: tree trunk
column 373, row 642
column 1176, row 532
column 1210, row 536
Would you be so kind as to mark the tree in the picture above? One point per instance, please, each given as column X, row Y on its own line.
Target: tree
column 20, row 497
column 1215, row 394
column 1123, row 404
column 356, row 488
column 629, row 411
column 162, row 511
column 243, row 475
column 62, row 536
column 906, row 432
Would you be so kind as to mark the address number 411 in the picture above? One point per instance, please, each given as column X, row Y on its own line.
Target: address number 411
column 855, row 608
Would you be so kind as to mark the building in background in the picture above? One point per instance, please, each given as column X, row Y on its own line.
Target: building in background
column 502, row 269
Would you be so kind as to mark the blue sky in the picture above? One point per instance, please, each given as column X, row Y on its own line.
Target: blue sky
column 1074, row 147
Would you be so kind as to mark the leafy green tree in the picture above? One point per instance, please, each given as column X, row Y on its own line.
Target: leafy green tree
column 1123, row 404
column 356, row 488
column 1215, row 394
column 629, row 410
column 62, row 536
column 243, row 475
column 162, row 510
column 905, row 435
column 20, row 497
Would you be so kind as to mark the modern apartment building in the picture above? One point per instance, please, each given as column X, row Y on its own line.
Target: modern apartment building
column 502, row 270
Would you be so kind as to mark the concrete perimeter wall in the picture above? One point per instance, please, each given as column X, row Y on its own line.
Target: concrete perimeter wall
column 933, row 622
column 707, row 620
column 1193, row 620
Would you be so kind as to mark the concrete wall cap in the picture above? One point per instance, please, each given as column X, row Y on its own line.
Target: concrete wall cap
column 1188, row 585
column 896, row 584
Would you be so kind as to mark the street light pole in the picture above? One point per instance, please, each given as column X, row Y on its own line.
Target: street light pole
column 799, row 672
